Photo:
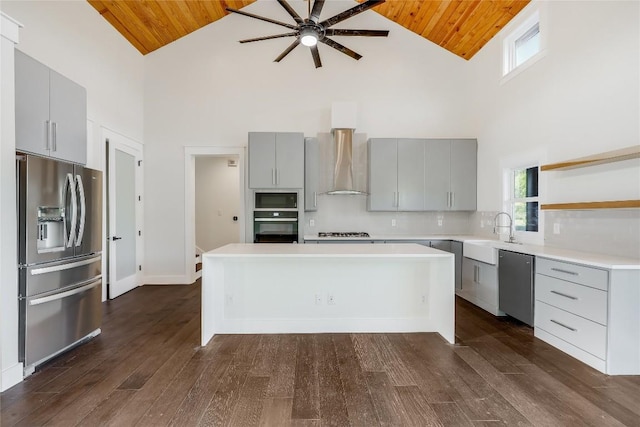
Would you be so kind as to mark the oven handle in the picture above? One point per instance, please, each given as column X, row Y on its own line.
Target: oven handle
column 275, row 219
column 276, row 209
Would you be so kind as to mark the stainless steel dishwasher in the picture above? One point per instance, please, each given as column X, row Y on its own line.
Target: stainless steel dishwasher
column 515, row 282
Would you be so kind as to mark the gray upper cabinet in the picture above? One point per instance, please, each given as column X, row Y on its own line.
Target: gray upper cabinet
column 396, row 174
column 422, row 174
column 463, row 175
column 411, row 169
column 383, row 174
column 311, row 170
column 51, row 112
column 437, row 174
column 276, row 160
column 451, row 181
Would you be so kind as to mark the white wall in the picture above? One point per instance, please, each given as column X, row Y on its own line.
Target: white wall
column 207, row 89
column 582, row 98
column 217, row 202
column 72, row 38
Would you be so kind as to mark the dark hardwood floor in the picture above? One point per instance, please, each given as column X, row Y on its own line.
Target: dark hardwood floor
column 147, row 369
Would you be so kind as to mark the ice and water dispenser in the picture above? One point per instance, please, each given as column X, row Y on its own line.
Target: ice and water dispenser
column 51, row 229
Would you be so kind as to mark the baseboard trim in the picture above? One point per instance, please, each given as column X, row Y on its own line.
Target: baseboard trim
column 168, row 280
column 11, row 376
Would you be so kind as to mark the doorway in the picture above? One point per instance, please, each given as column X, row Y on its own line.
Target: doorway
column 215, row 201
column 124, row 214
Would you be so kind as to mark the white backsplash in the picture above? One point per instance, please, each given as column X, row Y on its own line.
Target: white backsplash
column 606, row 231
column 613, row 232
column 349, row 213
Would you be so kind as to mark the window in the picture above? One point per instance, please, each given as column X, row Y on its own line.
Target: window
column 523, row 45
column 527, row 44
column 523, row 199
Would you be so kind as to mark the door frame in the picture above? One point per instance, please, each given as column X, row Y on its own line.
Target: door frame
column 190, row 154
column 109, row 136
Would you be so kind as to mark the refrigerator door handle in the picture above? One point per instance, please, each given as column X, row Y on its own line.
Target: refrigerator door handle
column 83, row 214
column 62, row 267
column 92, row 283
column 71, row 188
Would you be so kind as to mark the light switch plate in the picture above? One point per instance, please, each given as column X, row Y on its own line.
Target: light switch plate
column 312, row 223
column 556, row 228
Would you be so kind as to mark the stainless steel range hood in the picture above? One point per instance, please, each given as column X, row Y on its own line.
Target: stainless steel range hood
column 343, row 167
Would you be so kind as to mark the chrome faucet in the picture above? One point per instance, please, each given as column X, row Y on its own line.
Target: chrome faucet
column 496, row 226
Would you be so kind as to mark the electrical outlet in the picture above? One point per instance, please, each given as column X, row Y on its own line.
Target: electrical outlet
column 318, row 299
column 312, row 223
column 556, row 228
column 424, row 299
column 393, row 222
column 229, row 299
column 439, row 222
column 330, row 299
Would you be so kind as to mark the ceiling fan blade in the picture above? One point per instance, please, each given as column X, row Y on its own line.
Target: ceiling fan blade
column 262, row 18
column 291, row 12
column 364, row 33
column 277, row 36
column 315, row 13
column 341, row 48
column 350, row 12
column 287, row 50
column 316, row 56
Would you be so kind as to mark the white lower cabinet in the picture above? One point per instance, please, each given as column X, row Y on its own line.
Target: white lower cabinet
column 578, row 331
column 480, row 285
column 591, row 313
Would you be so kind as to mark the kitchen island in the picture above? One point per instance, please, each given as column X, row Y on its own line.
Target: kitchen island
column 278, row 288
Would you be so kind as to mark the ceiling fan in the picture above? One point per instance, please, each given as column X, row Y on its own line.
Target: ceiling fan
column 310, row 31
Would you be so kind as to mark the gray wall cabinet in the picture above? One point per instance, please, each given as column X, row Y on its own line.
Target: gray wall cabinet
column 463, row 174
column 276, row 160
column 422, row 174
column 451, row 175
column 51, row 112
column 396, row 174
column 383, row 174
column 311, row 170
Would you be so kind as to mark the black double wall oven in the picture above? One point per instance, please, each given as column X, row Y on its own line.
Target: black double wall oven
column 275, row 217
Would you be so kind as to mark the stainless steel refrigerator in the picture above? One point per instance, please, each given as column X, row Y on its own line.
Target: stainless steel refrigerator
column 59, row 256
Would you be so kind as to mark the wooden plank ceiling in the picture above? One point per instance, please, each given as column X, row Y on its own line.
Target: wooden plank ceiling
column 462, row 27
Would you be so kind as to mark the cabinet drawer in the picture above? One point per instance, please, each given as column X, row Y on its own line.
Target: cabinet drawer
column 582, row 333
column 581, row 274
column 587, row 302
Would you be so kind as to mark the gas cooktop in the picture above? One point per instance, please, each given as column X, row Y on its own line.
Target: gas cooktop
column 343, row 234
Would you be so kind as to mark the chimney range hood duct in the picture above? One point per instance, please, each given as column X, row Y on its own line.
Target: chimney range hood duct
column 343, row 168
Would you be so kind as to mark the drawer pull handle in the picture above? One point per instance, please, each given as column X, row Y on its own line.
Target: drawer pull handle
column 564, row 326
column 564, row 295
column 559, row 270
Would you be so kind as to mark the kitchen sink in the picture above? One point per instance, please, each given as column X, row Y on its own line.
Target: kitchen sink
column 480, row 250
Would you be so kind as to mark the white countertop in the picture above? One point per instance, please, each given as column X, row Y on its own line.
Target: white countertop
column 579, row 257
column 365, row 250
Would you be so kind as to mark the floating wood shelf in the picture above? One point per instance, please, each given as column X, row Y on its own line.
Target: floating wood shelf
column 612, row 204
column 596, row 159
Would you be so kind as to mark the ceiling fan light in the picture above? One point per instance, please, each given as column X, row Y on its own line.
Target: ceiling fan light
column 309, row 40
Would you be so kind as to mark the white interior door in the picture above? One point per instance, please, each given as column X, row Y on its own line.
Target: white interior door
column 125, row 214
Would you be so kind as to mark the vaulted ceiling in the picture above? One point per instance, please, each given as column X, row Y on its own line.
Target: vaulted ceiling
column 462, row 27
